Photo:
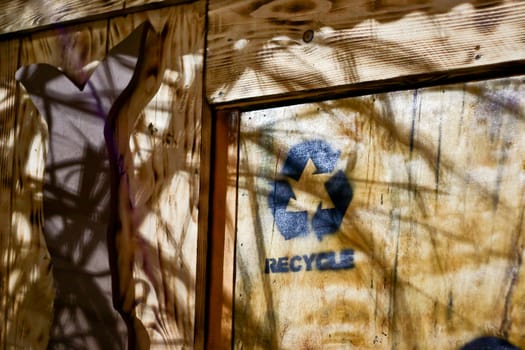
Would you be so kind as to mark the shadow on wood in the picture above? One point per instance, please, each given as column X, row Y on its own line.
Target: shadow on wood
column 436, row 222
column 80, row 210
column 276, row 50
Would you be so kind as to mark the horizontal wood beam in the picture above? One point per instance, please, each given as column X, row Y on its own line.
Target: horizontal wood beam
column 261, row 52
column 18, row 17
column 409, row 82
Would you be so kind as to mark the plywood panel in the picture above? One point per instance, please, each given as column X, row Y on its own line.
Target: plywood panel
column 270, row 49
column 25, row 286
column 156, row 250
column 71, row 221
column 20, row 14
column 385, row 221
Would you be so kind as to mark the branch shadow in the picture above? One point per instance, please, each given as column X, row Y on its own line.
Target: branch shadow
column 77, row 192
column 263, row 144
column 295, row 18
column 75, row 231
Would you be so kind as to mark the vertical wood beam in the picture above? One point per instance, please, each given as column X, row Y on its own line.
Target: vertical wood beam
column 222, row 233
column 204, row 218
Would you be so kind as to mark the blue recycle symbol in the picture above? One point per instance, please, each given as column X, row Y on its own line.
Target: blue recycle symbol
column 325, row 221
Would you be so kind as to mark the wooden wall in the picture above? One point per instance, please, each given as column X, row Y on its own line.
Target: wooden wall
column 435, row 222
column 159, row 140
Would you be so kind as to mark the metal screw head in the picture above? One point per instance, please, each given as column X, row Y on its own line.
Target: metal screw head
column 308, row 36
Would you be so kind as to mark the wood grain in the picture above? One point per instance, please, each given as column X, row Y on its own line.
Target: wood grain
column 9, row 53
column 133, row 3
column 26, row 288
column 25, row 279
column 436, row 222
column 160, row 144
column 19, row 17
column 268, row 49
column 222, row 233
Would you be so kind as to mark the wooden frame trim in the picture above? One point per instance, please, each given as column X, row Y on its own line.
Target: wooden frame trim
column 454, row 76
column 221, row 240
column 204, row 221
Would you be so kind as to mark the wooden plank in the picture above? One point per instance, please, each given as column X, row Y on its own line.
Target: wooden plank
column 83, row 311
column 223, row 228
column 26, row 296
column 17, row 15
column 9, row 53
column 270, row 49
column 435, row 220
column 160, row 142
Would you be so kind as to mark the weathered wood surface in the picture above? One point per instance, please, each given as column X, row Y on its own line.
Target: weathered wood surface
column 26, row 294
column 76, row 192
column 435, row 221
column 156, row 250
column 264, row 49
column 23, row 15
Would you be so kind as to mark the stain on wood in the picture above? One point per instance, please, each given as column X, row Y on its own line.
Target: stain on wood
column 256, row 50
column 429, row 251
column 160, row 147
